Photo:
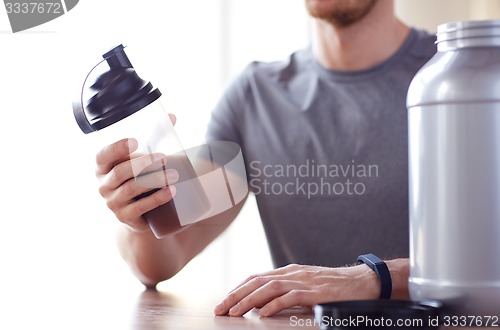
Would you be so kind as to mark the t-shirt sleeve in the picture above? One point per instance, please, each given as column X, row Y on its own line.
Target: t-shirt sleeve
column 225, row 122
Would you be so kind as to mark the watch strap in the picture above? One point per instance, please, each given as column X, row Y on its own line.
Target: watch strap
column 382, row 271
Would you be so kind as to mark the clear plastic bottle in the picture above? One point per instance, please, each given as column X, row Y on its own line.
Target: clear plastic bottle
column 119, row 104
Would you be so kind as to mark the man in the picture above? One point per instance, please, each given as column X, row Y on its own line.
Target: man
column 324, row 139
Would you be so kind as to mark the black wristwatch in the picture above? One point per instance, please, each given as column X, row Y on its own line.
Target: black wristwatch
column 380, row 268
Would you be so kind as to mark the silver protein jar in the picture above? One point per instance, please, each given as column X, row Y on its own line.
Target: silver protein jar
column 454, row 171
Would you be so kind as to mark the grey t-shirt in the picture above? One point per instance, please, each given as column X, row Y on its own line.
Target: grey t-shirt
column 326, row 153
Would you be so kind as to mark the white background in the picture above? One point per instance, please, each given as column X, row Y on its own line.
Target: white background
column 55, row 227
column 55, row 230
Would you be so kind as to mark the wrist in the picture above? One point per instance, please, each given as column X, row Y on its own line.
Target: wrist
column 379, row 267
column 399, row 270
column 369, row 284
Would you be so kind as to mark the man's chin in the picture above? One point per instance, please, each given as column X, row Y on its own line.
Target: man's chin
column 340, row 13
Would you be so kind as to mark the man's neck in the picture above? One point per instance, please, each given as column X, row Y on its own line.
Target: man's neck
column 360, row 45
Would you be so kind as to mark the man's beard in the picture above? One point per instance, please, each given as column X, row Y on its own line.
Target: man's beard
column 340, row 13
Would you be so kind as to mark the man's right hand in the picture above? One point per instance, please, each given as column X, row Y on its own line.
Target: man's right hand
column 115, row 164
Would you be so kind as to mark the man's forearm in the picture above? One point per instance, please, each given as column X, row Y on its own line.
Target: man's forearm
column 154, row 260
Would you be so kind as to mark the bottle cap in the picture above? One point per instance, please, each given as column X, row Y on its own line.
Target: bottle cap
column 116, row 94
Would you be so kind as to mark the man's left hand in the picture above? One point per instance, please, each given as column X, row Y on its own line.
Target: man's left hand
column 299, row 285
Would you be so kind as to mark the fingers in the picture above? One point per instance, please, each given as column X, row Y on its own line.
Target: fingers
column 133, row 184
column 127, row 170
column 123, row 198
column 289, row 269
column 134, row 189
column 275, row 295
column 293, row 285
column 265, row 295
column 131, row 214
column 290, row 299
column 251, row 295
column 114, row 154
column 157, row 179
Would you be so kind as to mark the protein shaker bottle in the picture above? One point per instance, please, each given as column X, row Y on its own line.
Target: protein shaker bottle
column 454, row 171
column 119, row 104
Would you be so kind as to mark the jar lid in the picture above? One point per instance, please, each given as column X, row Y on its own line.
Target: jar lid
column 468, row 34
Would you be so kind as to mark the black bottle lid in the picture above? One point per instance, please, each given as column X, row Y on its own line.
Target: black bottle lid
column 117, row 94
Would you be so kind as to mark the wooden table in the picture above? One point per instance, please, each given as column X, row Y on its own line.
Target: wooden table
column 160, row 311
column 95, row 308
column 89, row 308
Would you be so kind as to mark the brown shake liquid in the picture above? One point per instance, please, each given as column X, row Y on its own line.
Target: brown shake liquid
column 164, row 220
